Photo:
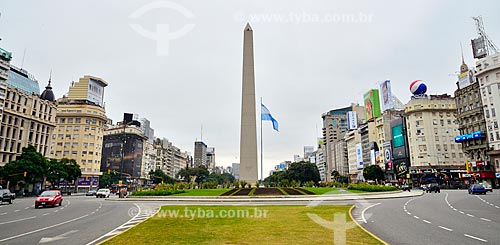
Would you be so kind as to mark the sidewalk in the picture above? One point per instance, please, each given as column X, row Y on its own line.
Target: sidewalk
column 334, row 197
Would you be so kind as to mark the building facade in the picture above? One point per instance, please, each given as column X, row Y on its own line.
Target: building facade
column 28, row 119
column 81, row 122
column 431, row 129
column 5, row 57
column 488, row 75
column 200, row 154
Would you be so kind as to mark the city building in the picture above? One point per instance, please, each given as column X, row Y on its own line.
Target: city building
column 321, row 160
column 297, row 158
column 22, row 80
column 431, row 127
column 335, row 123
column 471, row 120
column 235, row 168
column 309, row 154
column 200, row 154
column 5, row 57
column 488, row 75
column 28, row 119
column 81, row 121
column 211, row 158
column 123, row 152
column 148, row 131
column 352, row 140
column 169, row 158
column 384, row 139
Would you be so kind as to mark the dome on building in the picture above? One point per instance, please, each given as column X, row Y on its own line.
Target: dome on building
column 48, row 94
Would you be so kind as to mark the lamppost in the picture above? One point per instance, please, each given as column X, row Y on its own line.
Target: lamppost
column 124, row 141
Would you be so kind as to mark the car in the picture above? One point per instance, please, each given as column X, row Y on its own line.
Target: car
column 405, row 188
column 476, row 188
column 91, row 193
column 487, row 187
column 103, row 193
column 5, row 196
column 49, row 198
column 433, row 187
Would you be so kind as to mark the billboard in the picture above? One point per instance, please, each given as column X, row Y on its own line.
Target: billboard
column 398, row 138
column 465, row 79
column 389, row 168
column 386, row 95
column 352, row 120
column 372, row 104
column 402, row 167
column 95, row 92
column 478, row 48
column 359, row 156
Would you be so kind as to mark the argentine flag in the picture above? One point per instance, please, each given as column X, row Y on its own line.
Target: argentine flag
column 266, row 116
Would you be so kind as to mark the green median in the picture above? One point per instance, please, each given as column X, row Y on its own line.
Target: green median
column 246, row 225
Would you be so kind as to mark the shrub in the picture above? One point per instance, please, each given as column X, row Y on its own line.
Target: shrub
column 156, row 192
column 371, row 188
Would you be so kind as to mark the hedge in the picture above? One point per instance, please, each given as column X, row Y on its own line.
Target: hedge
column 156, row 192
column 371, row 188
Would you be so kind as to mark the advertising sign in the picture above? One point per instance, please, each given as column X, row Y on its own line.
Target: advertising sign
column 83, row 182
column 352, row 120
column 402, row 167
column 465, row 79
column 359, row 155
column 372, row 104
column 389, row 168
column 398, row 139
column 386, row 97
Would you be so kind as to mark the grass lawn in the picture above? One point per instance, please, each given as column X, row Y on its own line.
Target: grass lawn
column 266, row 225
column 203, row 192
column 330, row 190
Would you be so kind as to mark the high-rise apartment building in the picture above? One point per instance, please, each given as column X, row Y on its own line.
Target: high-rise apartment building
column 211, row 158
column 81, row 121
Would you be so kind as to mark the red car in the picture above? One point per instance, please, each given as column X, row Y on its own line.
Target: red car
column 49, row 198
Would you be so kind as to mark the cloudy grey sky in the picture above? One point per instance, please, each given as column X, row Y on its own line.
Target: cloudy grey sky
column 309, row 58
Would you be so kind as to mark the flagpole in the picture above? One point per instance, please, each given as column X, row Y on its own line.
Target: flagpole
column 261, row 152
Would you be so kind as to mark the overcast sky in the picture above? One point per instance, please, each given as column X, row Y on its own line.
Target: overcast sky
column 309, row 58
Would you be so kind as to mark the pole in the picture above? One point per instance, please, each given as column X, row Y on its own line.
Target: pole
column 261, row 152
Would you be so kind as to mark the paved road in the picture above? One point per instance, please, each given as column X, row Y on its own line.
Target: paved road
column 80, row 220
column 449, row 217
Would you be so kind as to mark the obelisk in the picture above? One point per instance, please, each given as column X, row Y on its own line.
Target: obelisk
column 248, row 133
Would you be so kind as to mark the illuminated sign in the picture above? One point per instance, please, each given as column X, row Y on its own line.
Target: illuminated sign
column 464, row 137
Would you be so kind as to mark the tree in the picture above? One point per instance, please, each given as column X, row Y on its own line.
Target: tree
column 159, row 176
column 373, row 172
column 301, row 172
column 199, row 174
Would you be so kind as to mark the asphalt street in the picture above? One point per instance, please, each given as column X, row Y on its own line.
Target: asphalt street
column 80, row 220
column 449, row 217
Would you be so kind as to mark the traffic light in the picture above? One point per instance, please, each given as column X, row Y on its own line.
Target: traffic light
column 467, row 167
column 25, row 173
column 109, row 171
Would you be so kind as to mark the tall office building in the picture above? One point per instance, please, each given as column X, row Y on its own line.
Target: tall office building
column 211, row 158
column 23, row 80
column 335, row 124
column 200, row 154
column 146, row 128
column 81, row 120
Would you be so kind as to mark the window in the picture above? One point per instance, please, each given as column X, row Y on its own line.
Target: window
column 78, row 120
column 70, row 120
column 493, row 114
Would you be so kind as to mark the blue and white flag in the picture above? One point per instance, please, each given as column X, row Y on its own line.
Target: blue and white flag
column 266, row 116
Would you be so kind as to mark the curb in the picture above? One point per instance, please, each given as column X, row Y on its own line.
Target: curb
column 363, row 228
column 338, row 197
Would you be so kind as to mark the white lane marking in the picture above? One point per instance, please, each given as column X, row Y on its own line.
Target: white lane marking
column 26, row 207
column 426, row 221
column 492, row 204
column 416, row 217
column 56, row 211
column 45, row 214
column 445, row 228
column 486, row 219
column 3, row 213
column 364, row 210
column 470, row 215
column 42, row 229
column 477, row 238
column 408, row 213
column 497, row 207
column 16, row 220
column 454, row 209
column 16, row 210
column 461, row 212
